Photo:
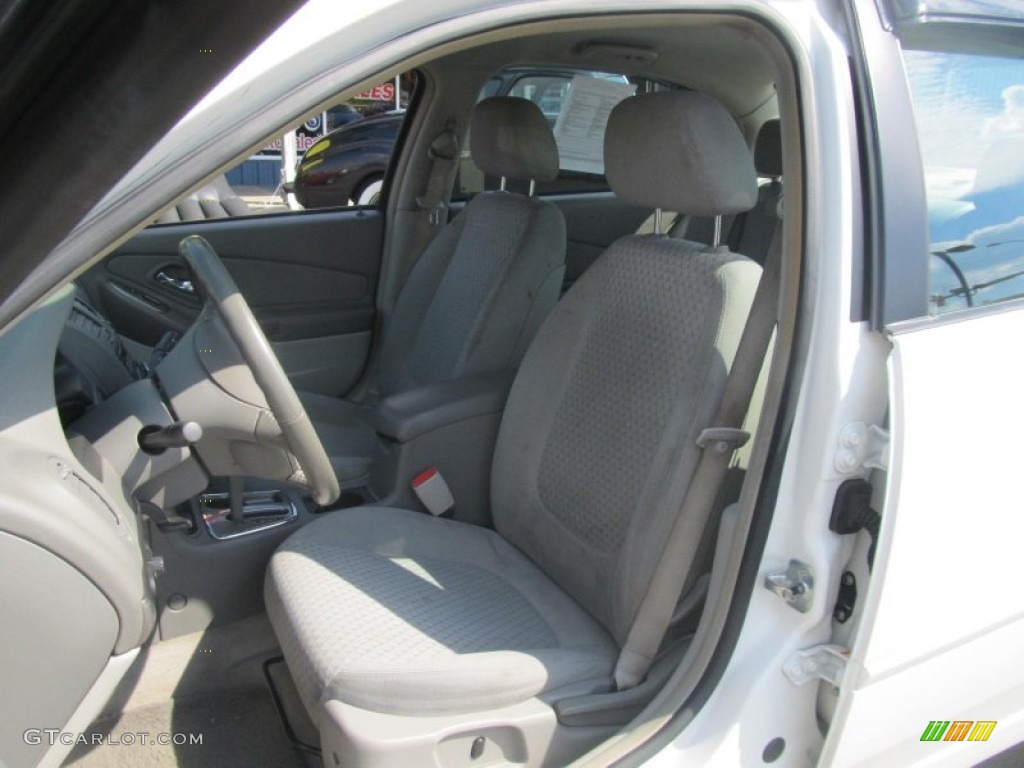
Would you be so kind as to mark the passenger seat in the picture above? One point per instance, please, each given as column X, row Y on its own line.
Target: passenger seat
column 750, row 232
column 407, row 634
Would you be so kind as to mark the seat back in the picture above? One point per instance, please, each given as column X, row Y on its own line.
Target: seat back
column 597, row 444
column 475, row 298
column 752, row 231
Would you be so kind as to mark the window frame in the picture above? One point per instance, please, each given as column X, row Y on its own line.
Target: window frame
column 895, row 282
column 891, row 282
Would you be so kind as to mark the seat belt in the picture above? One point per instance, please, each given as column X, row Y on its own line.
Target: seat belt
column 433, row 203
column 718, row 443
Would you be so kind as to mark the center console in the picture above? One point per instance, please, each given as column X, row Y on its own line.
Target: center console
column 451, row 426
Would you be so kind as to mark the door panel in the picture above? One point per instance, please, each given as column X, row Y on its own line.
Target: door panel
column 948, row 623
column 934, row 675
column 310, row 279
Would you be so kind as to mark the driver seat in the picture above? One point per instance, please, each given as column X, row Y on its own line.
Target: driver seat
column 416, row 640
column 476, row 296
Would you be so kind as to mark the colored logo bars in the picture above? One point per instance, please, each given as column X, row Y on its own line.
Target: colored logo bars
column 958, row 730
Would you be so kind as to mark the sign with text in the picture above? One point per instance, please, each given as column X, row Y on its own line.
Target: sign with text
column 382, row 92
column 579, row 130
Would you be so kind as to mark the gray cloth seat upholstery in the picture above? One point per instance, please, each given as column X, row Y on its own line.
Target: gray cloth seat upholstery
column 476, row 296
column 752, row 231
column 214, row 200
column 346, row 430
column 397, row 612
column 749, row 232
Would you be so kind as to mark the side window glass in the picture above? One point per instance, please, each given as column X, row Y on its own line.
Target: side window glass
column 336, row 158
column 969, row 110
column 576, row 106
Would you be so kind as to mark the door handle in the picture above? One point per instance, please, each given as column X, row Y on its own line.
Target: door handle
column 177, row 283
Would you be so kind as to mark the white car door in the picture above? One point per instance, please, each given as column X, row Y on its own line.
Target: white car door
column 934, row 676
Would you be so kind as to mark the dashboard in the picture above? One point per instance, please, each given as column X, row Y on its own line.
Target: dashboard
column 76, row 574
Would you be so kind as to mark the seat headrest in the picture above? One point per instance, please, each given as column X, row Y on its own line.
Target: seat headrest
column 680, row 151
column 511, row 137
column 768, row 150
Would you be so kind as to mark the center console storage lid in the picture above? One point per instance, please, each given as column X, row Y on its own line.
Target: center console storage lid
column 405, row 416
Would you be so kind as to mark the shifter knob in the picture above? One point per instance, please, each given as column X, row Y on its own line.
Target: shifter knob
column 155, row 439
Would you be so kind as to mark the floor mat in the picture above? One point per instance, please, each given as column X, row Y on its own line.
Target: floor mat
column 240, row 727
column 210, row 687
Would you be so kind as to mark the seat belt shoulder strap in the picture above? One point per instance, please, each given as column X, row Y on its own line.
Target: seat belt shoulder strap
column 719, row 443
column 444, row 153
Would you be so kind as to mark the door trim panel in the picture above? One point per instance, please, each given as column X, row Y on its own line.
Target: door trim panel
column 310, row 278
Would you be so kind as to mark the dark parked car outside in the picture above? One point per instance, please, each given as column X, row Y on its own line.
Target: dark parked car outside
column 348, row 163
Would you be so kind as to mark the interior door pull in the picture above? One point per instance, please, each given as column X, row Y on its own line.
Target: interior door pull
column 179, row 284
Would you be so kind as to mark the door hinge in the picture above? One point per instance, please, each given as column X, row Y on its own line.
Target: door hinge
column 861, row 446
column 825, row 662
column 795, row 585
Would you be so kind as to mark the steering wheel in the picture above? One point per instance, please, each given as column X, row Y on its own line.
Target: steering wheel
column 221, row 293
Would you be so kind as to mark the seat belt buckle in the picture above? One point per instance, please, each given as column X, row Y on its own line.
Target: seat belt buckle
column 722, row 439
column 433, row 492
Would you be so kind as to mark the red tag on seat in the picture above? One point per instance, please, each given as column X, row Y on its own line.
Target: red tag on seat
column 423, row 477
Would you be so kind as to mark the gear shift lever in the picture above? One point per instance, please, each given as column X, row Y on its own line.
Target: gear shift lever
column 236, row 495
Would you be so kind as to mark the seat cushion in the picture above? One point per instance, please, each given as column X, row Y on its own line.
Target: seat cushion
column 346, row 431
column 399, row 612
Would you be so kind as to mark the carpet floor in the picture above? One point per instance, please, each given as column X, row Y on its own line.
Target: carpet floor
column 212, row 688
column 237, row 728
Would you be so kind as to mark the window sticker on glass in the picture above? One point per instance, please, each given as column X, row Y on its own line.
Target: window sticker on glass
column 579, row 130
column 969, row 111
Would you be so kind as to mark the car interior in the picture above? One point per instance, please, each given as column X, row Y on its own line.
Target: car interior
column 421, row 482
